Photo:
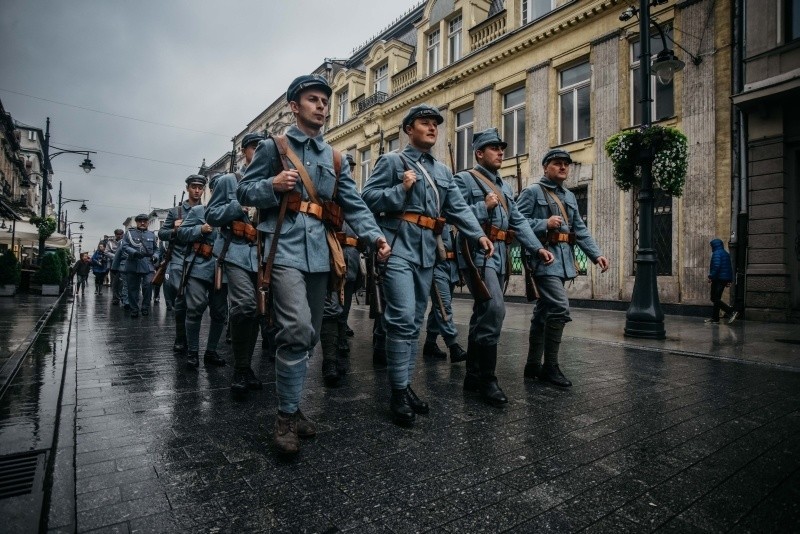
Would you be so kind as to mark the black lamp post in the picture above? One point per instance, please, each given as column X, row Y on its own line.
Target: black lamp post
column 64, row 200
column 644, row 318
column 86, row 165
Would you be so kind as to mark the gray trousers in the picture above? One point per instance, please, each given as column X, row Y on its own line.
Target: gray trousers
column 171, row 283
column 486, row 322
column 241, row 292
column 436, row 323
column 198, row 295
column 553, row 303
column 139, row 290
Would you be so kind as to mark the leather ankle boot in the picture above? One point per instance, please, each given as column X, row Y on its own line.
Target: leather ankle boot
column 193, row 358
column 472, row 380
column 400, row 408
column 285, row 435
column 490, row 389
column 417, row 404
column 431, row 350
column 457, row 354
column 535, row 350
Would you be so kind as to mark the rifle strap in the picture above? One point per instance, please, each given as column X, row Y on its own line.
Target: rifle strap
column 308, row 183
column 557, row 201
column 478, row 175
column 273, row 247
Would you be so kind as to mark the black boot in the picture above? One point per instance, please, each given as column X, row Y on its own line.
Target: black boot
column 472, row 380
column 457, row 354
column 180, row 332
column 400, row 408
column 252, row 380
column 551, row 372
column 533, row 366
column 379, row 352
column 193, row 359
column 329, row 374
column 431, row 350
column 329, row 341
column 239, row 382
column 417, row 404
column 343, row 354
column 212, row 357
column 490, row 389
column 344, row 344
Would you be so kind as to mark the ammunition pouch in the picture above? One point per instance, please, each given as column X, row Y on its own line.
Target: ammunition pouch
column 244, row 230
column 434, row 224
column 203, row 249
column 346, row 240
column 496, row 234
column 554, row 237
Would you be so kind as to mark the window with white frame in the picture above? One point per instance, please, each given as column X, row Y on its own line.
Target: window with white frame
column 31, row 135
column 573, row 102
column 514, row 121
column 366, row 160
column 381, row 83
column 533, row 9
column 343, row 105
column 433, row 51
column 663, row 96
column 465, row 125
column 791, row 10
column 393, row 144
column 454, row 40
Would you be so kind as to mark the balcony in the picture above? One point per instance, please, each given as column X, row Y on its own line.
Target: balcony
column 379, row 97
column 404, row 78
column 487, row 31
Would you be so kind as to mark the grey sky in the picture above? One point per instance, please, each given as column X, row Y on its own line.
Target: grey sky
column 201, row 65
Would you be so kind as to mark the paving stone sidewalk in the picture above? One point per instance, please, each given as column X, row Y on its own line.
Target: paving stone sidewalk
column 644, row 441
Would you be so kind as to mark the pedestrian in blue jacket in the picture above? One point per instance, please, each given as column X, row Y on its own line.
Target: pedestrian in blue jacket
column 720, row 276
column 99, row 268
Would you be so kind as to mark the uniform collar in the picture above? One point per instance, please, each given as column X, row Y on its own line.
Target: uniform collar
column 297, row 135
column 550, row 184
column 486, row 172
column 414, row 154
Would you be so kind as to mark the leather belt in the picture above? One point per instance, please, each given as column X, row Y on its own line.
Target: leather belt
column 496, row 234
column 346, row 240
column 434, row 224
column 450, row 255
column 203, row 249
column 554, row 237
column 243, row 229
column 298, row 205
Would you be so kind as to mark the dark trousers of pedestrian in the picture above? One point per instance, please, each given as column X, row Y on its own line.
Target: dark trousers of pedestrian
column 81, row 285
column 717, row 288
column 116, row 287
column 99, row 280
column 139, row 291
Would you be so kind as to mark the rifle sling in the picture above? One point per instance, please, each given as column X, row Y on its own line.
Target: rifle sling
column 308, row 183
column 500, row 196
column 273, row 247
column 558, row 203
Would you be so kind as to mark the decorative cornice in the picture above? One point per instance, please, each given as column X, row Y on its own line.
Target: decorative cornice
column 542, row 65
column 609, row 36
column 687, row 3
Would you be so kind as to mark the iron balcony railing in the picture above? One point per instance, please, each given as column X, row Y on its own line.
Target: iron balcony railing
column 376, row 98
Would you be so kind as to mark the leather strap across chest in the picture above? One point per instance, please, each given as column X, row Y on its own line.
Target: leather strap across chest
column 558, row 203
column 478, row 175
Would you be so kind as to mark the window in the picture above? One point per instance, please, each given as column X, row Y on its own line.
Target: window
column 454, row 40
column 433, row 51
column 343, row 106
column 573, row 102
column 533, row 9
column 393, row 144
column 366, row 156
column 464, row 128
column 662, row 230
column 792, row 15
column 581, row 260
column 663, row 105
column 31, row 135
column 381, row 74
column 514, row 122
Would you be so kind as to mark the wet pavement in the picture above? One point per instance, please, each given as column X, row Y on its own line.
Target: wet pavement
column 18, row 317
column 649, row 438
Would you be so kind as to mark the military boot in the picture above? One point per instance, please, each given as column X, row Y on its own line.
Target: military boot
column 329, row 340
column 378, row 351
column 239, row 382
column 472, row 380
column 457, row 354
column 212, row 357
column 431, row 350
column 306, row 428
column 400, row 407
column 285, row 435
column 490, row 389
column 344, row 344
column 180, row 333
column 343, row 354
column 417, row 404
column 533, row 367
column 551, row 372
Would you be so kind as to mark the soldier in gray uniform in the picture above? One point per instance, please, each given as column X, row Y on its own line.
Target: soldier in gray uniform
column 300, row 271
column 414, row 194
column 552, row 211
column 239, row 267
column 139, row 244
column 492, row 203
column 198, row 287
column 112, row 245
column 445, row 278
column 120, row 285
column 195, row 185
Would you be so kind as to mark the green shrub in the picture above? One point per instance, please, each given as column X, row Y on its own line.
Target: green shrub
column 49, row 271
column 63, row 259
column 9, row 269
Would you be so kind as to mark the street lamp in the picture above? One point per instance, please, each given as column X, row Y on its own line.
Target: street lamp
column 644, row 318
column 86, row 165
column 64, row 200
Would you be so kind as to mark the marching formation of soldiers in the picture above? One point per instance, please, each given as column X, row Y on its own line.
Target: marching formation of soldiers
column 277, row 251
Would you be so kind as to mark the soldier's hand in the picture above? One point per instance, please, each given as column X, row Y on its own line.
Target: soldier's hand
column 554, row 222
column 486, row 244
column 409, row 179
column 602, row 262
column 285, row 181
column 177, row 223
column 491, row 201
column 546, row 256
column 384, row 250
column 206, row 229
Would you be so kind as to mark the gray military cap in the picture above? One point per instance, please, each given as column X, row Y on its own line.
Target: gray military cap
column 197, row 179
column 307, row 81
column 250, row 138
column 556, row 153
column 141, row 217
column 423, row 110
column 487, row 137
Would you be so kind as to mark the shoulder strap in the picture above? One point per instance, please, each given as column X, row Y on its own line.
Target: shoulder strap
column 308, row 183
column 500, row 196
column 280, row 144
column 337, row 170
column 558, row 203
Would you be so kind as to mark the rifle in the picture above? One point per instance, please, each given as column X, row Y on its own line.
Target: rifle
column 519, row 177
column 161, row 270
column 531, row 289
column 374, row 289
column 380, row 147
column 221, row 261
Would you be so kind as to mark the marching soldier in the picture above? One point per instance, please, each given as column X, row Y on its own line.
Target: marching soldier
column 236, row 253
column 492, row 203
column 414, row 194
column 139, row 244
column 299, row 175
column 196, row 290
column 552, row 212
column 195, row 185
column 440, row 318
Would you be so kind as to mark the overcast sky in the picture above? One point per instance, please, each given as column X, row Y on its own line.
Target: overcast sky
column 204, row 67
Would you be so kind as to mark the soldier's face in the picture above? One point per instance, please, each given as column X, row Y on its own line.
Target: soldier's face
column 141, row 224
column 557, row 170
column 311, row 109
column 422, row 133
column 248, row 152
column 195, row 191
column 490, row 156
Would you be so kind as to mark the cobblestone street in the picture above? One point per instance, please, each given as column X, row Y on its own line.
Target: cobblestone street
column 644, row 441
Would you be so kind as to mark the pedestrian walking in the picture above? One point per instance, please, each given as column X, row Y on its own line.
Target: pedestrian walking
column 492, row 202
column 416, row 195
column 295, row 178
column 139, row 244
column 552, row 211
column 720, row 276
column 100, row 268
column 81, row 269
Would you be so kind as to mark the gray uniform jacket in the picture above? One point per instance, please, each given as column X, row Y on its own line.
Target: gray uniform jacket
column 303, row 244
column 537, row 206
column 352, row 256
column 190, row 232
column 475, row 192
column 222, row 210
column 120, row 258
column 449, row 266
column 166, row 233
column 139, row 246
column 112, row 245
column 385, row 195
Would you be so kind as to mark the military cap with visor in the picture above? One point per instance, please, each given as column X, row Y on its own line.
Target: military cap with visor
column 251, row 138
column 487, row 137
column 422, row 111
column 556, row 153
column 141, row 217
column 197, row 179
column 307, row 81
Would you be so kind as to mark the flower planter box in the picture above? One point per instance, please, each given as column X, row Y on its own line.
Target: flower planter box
column 8, row 290
column 51, row 290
